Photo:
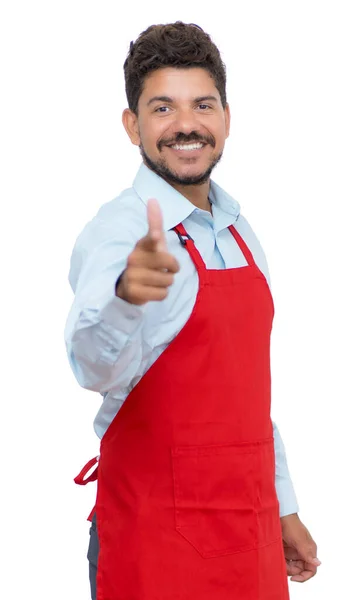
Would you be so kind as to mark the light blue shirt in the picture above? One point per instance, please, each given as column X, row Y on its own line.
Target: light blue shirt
column 111, row 343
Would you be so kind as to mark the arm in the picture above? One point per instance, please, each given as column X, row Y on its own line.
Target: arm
column 103, row 333
column 115, row 272
column 284, row 487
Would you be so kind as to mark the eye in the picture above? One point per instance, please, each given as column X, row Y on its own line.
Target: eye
column 162, row 109
column 204, row 106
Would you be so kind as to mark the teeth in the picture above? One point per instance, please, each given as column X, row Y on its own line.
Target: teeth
column 197, row 146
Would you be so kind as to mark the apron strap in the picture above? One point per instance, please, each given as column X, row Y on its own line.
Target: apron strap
column 79, row 479
column 243, row 247
column 186, row 240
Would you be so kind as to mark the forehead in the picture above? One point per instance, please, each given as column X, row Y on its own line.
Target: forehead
column 180, row 84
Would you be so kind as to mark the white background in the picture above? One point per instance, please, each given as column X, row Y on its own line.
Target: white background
column 292, row 161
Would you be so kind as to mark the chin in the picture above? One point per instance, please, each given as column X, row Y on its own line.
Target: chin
column 188, row 175
column 187, row 178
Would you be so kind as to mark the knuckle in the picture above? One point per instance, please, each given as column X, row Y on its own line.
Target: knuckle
column 132, row 259
column 130, row 290
column 130, row 277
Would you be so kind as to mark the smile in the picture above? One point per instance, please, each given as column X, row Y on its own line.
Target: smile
column 187, row 147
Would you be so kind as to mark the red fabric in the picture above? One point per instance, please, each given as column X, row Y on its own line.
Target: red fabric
column 186, row 504
column 79, row 479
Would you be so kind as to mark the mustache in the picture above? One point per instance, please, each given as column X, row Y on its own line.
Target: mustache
column 192, row 137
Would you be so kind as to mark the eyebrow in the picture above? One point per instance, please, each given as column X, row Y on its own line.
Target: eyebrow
column 171, row 100
column 159, row 99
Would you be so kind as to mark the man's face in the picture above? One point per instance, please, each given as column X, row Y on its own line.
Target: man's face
column 181, row 125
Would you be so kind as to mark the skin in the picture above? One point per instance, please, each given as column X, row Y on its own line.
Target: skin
column 180, row 104
column 189, row 110
column 299, row 548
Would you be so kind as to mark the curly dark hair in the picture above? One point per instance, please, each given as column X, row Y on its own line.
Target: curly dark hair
column 178, row 45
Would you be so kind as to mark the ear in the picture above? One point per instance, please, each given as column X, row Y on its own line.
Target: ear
column 227, row 120
column 130, row 122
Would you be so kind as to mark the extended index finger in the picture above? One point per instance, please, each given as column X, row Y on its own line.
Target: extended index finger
column 156, row 227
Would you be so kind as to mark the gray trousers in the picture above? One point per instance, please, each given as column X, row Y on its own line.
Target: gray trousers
column 92, row 556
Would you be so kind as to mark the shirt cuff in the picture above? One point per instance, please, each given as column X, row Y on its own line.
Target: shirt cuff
column 286, row 497
column 119, row 315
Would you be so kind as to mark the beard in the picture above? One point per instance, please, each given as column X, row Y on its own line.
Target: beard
column 161, row 168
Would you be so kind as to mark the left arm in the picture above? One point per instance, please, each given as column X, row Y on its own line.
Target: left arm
column 284, row 486
column 299, row 548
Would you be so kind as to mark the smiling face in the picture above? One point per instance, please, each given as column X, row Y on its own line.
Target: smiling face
column 181, row 125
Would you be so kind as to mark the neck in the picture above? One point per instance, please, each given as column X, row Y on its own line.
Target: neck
column 196, row 194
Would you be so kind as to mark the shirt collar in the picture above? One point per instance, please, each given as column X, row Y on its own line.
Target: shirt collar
column 174, row 206
column 225, row 209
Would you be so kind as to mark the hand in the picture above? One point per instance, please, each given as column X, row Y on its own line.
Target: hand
column 300, row 549
column 150, row 268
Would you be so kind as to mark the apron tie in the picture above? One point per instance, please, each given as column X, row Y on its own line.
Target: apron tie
column 79, row 479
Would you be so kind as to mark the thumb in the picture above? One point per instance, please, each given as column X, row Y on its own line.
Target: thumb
column 156, row 228
column 308, row 555
column 313, row 561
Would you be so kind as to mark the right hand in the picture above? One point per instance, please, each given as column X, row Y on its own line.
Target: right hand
column 150, row 268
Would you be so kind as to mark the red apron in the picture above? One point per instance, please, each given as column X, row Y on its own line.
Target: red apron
column 186, row 503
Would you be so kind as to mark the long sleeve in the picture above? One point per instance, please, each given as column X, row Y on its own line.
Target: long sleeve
column 103, row 332
column 284, row 486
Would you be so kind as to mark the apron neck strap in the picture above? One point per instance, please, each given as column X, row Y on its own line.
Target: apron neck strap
column 243, row 247
column 187, row 241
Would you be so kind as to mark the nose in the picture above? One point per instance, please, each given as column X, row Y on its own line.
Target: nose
column 186, row 121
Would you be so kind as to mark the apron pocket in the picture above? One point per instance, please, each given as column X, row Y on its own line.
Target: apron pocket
column 218, row 491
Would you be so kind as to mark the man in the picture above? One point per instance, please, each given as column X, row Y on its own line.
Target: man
column 171, row 323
